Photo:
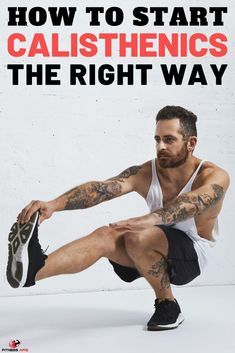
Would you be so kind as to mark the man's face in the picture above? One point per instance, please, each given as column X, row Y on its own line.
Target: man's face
column 170, row 144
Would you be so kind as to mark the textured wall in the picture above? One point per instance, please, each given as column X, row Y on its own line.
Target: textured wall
column 53, row 138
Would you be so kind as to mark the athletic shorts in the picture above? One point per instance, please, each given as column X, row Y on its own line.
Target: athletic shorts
column 182, row 259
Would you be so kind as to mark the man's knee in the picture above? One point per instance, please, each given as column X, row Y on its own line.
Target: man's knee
column 107, row 237
column 137, row 243
column 133, row 240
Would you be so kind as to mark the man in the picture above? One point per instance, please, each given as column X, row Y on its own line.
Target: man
column 168, row 245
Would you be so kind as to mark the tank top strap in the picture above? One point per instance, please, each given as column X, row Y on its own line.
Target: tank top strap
column 189, row 184
column 197, row 170
column 154, row 172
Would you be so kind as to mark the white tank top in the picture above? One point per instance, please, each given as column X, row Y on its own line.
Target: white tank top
column 155, row 200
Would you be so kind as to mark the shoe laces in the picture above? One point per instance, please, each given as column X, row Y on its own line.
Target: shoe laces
column 44, row 251
column 36, row 241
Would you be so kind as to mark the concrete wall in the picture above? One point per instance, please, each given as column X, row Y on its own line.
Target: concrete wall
column 56, row 137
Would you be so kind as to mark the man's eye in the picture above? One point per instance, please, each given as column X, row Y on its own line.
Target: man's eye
column 169, row 140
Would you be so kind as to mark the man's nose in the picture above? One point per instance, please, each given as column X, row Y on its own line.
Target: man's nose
column 161, row 146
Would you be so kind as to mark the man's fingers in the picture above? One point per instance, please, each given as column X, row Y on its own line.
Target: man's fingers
column 116, row 225
column 121, row 224
column 28, row 211
column 22, row 214
column 120, row 227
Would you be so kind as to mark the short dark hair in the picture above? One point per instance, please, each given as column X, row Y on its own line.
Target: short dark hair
column 187, row 119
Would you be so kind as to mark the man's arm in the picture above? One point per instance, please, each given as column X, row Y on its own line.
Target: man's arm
column 183, row 207
column 189, row 204
column 95, row 192
column 84, row 196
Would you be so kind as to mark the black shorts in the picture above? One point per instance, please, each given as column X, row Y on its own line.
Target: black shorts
column 182, row 259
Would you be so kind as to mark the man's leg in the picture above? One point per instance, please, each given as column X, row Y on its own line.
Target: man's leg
column 145, row 251
column 148, row 250
column 84, row 252
column 27, row 262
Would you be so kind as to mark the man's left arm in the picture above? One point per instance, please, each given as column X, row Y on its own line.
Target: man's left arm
column 183, row 207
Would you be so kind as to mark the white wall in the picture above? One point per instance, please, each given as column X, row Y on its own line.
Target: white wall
column 53, row 138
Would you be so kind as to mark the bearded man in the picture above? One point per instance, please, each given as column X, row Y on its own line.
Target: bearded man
column 169, row 245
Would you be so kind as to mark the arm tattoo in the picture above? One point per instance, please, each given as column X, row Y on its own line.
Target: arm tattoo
column 159, row 269
column 91, row 194
column 127, row 173
column 188, row 205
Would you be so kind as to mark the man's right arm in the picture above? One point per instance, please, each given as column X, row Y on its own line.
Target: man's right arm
column 84, row 196
column 95, row 192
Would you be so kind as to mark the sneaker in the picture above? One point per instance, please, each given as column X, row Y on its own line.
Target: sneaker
column 25, row 256
column 166, row 317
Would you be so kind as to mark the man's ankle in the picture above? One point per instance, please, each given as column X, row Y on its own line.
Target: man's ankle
column 161, row 299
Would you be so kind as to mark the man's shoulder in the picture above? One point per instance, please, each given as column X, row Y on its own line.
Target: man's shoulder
column 143, row 178
column 211, row 171
column 146, row 168
column 209, row 167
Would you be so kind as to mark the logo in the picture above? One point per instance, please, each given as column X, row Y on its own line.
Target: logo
column 14, row 343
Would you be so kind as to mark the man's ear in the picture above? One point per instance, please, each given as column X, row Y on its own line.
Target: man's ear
column 192, row 141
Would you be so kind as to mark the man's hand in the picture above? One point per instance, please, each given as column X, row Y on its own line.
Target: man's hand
column 183, row 207
column 45, row 209
column 136, row 224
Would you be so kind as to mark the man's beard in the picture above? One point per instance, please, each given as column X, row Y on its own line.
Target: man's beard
column 173, row 161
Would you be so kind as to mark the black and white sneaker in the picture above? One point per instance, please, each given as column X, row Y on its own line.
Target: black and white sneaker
column 25, row 256
column 167, row 316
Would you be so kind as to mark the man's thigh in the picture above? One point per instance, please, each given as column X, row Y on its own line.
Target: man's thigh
column 181, row 257
column 153, row 238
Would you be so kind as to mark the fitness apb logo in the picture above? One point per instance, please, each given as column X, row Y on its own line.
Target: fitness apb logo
column 13, row 344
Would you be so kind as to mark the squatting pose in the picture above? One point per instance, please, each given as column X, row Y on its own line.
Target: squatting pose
column 169, row 245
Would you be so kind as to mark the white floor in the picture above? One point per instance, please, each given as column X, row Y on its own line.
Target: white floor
column 114, row 322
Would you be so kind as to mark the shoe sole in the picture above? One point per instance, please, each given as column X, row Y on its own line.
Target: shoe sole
column 167, row 327
column 18, row 259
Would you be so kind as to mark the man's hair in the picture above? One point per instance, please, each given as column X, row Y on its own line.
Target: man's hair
column 187, row 119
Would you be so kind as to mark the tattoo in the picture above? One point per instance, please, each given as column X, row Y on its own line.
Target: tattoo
column 219, row 193
column 188, row 205
column 159, row 269
column 127, row 173
column 91, row 194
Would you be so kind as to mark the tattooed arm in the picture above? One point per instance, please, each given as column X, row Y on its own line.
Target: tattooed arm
column 189, row 204
column 84, row 196
column 183, row 207
column 95, row 192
